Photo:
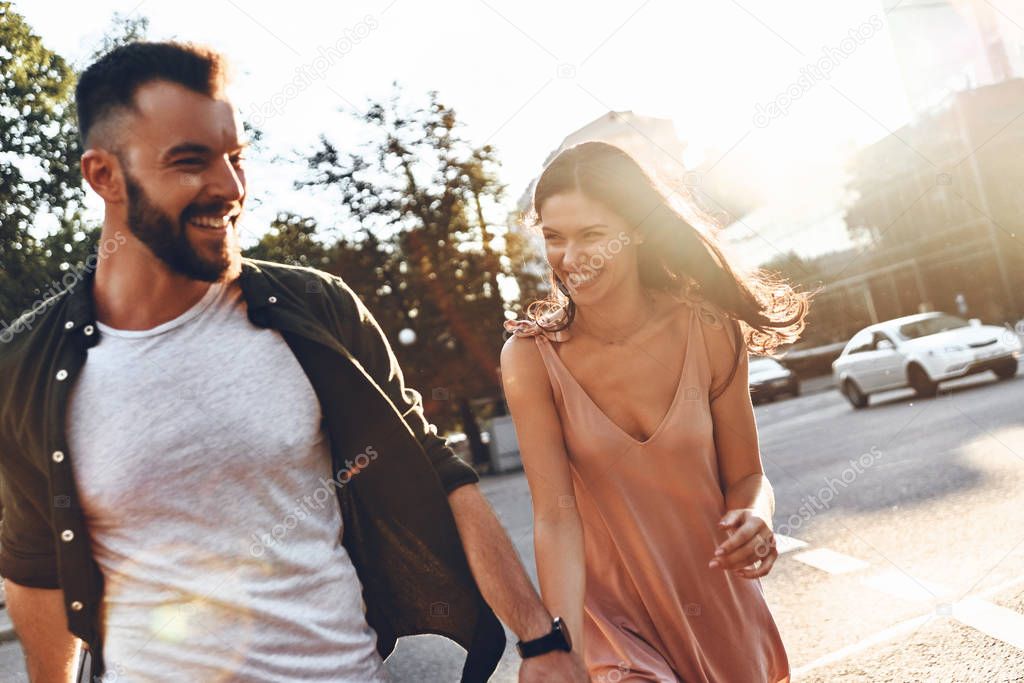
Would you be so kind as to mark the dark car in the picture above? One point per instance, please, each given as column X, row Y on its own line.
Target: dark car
column 769, row 378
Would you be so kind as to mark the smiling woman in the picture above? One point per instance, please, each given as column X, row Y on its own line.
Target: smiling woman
column 598, row 203
column 652, row 514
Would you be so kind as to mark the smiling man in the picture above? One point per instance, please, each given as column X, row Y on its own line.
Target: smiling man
column 182, row 401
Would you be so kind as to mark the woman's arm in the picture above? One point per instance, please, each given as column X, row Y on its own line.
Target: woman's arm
column 749, row 499
column 557, row 529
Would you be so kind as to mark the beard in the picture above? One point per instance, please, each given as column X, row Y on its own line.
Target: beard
column 167, row 238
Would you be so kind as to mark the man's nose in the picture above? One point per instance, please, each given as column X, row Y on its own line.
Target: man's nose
column 227, row 183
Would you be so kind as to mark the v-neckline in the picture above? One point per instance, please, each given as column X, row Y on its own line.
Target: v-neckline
column 672, row 405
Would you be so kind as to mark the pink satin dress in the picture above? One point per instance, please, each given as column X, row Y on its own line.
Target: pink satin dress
column 654, row 611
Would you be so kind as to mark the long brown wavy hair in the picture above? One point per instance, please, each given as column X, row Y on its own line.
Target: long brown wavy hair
column 675, row 257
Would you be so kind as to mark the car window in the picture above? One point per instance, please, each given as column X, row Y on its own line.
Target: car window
column 862, row 341
column 878, row 337
column 939, row 323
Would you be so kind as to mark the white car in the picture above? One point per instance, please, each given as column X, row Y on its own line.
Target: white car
column 919, row 351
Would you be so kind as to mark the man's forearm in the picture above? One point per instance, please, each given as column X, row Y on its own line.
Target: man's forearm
column 496, row 565
column 38, row 617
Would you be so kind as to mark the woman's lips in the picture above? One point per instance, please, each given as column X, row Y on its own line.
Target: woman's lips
column 581, row 281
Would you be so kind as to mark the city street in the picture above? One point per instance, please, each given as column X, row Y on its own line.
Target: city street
column 903, row 539
column 913, row 569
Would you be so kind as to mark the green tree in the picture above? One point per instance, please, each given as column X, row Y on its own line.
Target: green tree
column 424, row 196
column 38, row 160
column 124, row 29
column 291, row 239
column 39, row 154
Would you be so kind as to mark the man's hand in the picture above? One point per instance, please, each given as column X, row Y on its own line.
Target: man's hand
column 554, row 667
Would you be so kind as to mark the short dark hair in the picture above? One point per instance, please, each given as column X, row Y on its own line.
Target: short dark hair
column 110, row 83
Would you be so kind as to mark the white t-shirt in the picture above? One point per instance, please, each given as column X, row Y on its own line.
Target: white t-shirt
column 204, row 472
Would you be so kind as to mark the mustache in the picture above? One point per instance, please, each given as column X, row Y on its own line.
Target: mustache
column 217, row 209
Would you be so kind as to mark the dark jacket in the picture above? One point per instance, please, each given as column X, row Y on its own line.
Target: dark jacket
column 398, row 526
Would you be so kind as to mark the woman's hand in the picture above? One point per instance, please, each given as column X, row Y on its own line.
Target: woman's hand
column 750, row 550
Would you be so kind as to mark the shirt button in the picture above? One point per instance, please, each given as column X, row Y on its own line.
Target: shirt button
column 76, row 606
column 67, row 535
column 68, row 325
column 88, row 329
column 58, row 456
column 272, row 299
column 62, row 375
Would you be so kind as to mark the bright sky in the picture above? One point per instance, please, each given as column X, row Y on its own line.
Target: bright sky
column 524, row 74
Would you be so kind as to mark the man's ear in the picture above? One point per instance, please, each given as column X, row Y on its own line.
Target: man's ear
column 104, row 173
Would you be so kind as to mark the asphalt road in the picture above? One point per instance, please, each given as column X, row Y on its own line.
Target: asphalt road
column 907, row 558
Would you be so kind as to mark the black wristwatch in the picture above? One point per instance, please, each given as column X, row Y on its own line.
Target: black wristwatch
column 557, row 639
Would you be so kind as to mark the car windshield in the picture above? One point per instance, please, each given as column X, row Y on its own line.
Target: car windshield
column 940, row 323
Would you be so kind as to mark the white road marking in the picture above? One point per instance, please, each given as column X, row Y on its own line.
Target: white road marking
column 830, row 561
column 992, row 620
column 787, row 544
column 904, row 627
column 901, row 585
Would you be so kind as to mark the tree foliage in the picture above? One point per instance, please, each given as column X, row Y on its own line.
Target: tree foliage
column 42, row 230
column 424, row 198
column 38, row 160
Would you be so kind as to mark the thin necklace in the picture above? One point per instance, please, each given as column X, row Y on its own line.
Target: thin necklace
column 620, row 340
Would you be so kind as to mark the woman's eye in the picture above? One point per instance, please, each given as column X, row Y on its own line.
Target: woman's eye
column 189, row 161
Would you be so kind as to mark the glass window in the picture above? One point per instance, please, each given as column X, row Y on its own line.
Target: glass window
column 862, row 341
column 940, row 323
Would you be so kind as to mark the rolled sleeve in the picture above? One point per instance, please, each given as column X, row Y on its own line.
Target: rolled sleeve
column 452, row 470
column 370, row 346
column 27, row 553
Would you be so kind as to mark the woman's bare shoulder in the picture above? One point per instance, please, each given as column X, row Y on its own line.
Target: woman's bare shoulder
column 521, row 363
column 519, row 351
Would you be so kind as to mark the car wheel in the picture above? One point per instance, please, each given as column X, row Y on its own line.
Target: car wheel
column 853, row 394
column 921, row 383
column 1007, row 370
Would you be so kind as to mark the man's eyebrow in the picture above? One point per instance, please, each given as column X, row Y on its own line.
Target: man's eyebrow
column 197, row 148
column 187, row 148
